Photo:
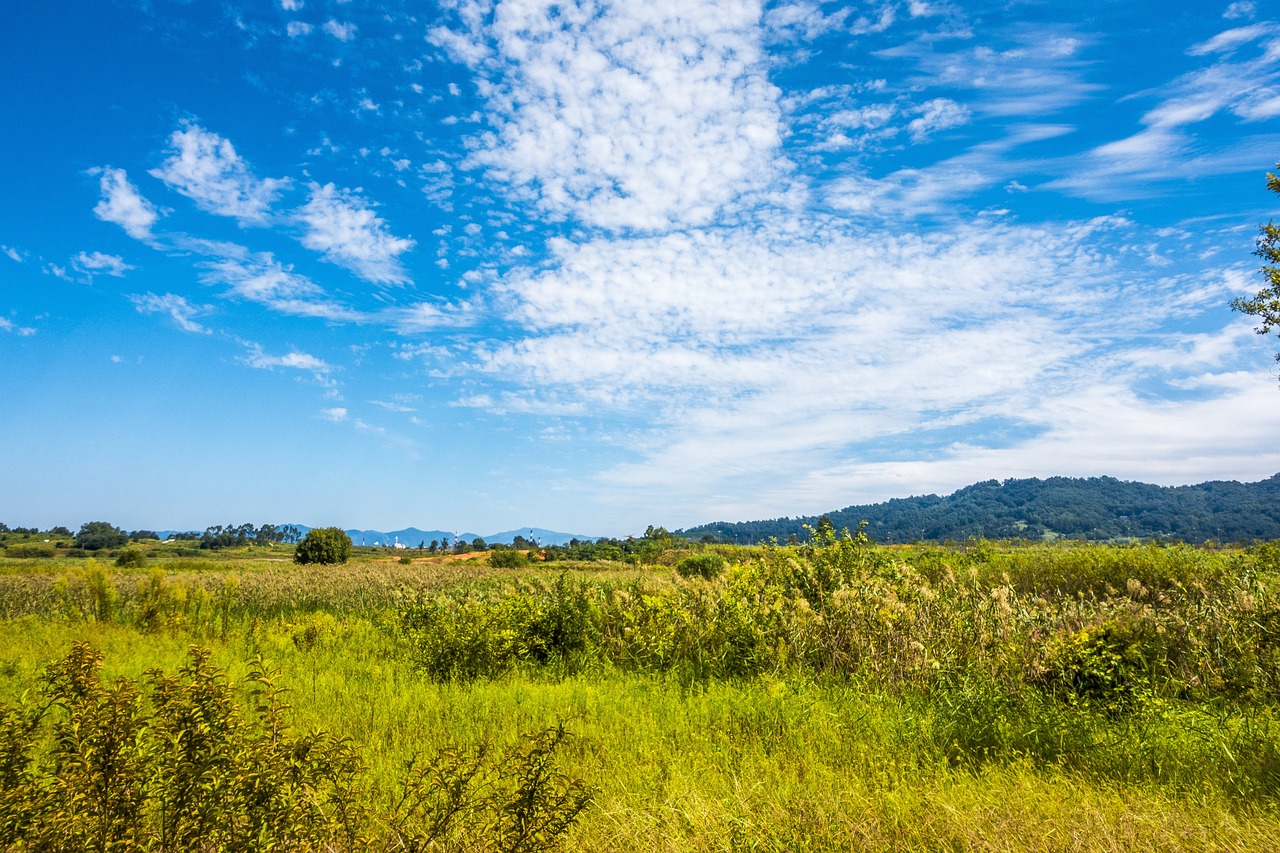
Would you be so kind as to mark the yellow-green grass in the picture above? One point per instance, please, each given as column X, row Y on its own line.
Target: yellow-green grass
column 785, row 760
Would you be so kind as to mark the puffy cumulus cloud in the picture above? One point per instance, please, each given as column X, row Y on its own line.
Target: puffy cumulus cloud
column 99, row 263
column 937, row 114
column 344, row 229
column 205, row 168
column 337, row 414
column 259, row 277
column 176, row 307
column 628, row 115
column 123, row 205
column 341, row 30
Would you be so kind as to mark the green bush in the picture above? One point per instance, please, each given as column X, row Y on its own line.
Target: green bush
column 31, row 550
column 175, row 763
column 507, row 559
column 324, row 545
column 701, row 566
column 131, row 558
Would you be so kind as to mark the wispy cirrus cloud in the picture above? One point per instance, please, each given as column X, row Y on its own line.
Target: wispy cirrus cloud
column 344, row 228
column 92, row 263
column 123, row 205
column 175, row 307
column 258, row 358
column 259, row 277
column 9, row 327
column 1243, row 80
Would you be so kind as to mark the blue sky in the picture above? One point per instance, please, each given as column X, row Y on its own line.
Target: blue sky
column 594, row 266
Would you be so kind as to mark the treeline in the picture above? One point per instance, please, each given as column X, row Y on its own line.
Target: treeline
column 241, row 535
column 1094, row 509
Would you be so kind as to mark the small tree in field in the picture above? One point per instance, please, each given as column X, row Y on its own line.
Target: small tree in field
column 1265, row 304
column 324, row 545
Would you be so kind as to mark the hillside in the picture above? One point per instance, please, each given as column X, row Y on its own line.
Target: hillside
column 1097, row 508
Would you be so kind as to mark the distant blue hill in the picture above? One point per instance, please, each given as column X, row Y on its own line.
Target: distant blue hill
column 537, row 534
column 412, row 537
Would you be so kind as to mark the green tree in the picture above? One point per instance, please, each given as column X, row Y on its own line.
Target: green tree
column 324, row 545
column 1265, row 304
column 96, row 535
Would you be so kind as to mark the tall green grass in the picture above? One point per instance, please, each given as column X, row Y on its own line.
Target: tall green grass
column 840, row 696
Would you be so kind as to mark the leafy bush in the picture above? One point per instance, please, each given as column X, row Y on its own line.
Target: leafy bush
column 31, row 550
column 324, row 545
column 175, row 764
column 702, row 566
column 131, row 558
column 507, row 559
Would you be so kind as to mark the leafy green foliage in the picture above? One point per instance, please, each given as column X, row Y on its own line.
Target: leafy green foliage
column 324, row 545
column 1265, row 304
column 507, row 558
column 177, row 764
column 30, row 550
column 131, row 558
column 708, row 565
column 96, row 535
column 1096, row 509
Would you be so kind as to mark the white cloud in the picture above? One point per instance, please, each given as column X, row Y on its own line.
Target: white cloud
column 336, row 414
column 802, row 21
column 297, row 29
column 291, row 5
column 633, row 115
column 393, row 406
column 1039, row 73
column 295, row 360
column 260, row 278
column 777, row 354
column 341, row 30
column 1240, row 9
column 344, row 229
column 97, row 262
column 205, row 167
column 937, row 114
column 9, row 327
column 1247, row 87
column 13, row 254
column 57, row 272
column 176, row 307
column 123, row 205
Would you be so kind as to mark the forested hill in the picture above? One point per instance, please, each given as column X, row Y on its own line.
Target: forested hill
column 1097, row 508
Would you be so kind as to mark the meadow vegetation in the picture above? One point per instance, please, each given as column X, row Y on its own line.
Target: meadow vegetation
column 834, row 695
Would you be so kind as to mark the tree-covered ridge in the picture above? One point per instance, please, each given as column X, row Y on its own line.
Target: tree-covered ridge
column 1094, row 508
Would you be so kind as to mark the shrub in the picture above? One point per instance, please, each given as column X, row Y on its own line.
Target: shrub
column 508, row 559
column 31, row 550
column 179, row 762
column 702, row 566
column 324, row 545
column 131, row 558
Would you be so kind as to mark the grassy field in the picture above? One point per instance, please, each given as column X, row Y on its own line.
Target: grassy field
column 837, row 696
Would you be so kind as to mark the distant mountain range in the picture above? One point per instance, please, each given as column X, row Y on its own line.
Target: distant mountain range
column 1097, row 508
column 412, row 537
